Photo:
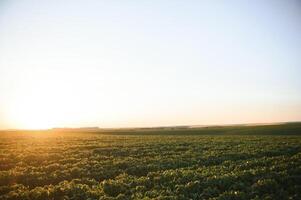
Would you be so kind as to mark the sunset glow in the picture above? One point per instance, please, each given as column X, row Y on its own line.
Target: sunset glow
column 131, row 64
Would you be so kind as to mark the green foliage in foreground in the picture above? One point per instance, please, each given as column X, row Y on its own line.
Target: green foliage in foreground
column 41, row 166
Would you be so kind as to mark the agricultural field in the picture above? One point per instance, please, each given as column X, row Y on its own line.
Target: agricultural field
column 208, row 163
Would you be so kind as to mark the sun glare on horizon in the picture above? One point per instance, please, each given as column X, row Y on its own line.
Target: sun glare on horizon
column 44, row 103
column 35, row 112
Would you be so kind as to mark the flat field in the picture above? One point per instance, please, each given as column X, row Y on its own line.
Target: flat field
column 209, row 163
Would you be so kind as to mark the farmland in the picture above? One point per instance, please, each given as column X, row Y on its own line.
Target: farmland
column 260, row 162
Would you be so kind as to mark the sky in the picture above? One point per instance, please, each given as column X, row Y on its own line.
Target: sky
column 149, row 63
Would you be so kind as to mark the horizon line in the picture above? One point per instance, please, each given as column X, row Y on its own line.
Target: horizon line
column 154, row 127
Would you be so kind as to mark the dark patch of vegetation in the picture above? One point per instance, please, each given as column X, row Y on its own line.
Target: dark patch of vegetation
column 293, row 128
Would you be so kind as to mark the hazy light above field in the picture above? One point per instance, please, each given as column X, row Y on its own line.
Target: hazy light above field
column 149, row 63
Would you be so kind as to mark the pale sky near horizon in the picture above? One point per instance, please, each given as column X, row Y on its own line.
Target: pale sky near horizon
column 149, row 63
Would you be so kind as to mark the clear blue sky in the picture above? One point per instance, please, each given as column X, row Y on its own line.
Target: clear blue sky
column 149, row 63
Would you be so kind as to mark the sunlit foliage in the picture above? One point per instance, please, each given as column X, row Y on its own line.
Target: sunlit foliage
column 41, row 166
